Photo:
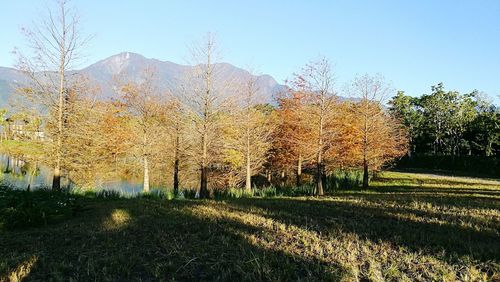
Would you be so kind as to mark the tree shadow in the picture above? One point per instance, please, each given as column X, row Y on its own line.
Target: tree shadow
column 141, row 239
column 419, row 231
column 487, row 194
column 438, row 181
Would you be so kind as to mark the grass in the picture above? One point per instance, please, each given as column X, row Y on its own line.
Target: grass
column 21, row 148
column 406, row 227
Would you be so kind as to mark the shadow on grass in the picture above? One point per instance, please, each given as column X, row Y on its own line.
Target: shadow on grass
column 415, row 230
column 151, row 240
column 126, row 239
column 433, row 189
column 474, row 198
column 437, row 181
column 453, row 173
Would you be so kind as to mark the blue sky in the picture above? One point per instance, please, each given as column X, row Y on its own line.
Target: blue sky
column 414, row 44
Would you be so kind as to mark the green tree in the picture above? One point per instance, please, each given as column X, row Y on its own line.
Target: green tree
column 404, row 108
column 484, row 130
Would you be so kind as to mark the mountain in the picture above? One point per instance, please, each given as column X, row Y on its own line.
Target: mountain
column 8, row 78
column 132, row 65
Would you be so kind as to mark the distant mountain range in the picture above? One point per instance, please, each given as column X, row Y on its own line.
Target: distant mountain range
column 132, row 65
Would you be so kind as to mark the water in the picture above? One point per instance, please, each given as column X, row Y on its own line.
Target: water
column 20, row 174
column 17, row 173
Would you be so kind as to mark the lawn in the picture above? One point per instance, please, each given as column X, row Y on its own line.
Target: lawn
column 406, row 227
column 21, row 148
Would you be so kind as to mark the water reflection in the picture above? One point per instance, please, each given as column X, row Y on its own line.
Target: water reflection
column 22, row 174
column 18, row 173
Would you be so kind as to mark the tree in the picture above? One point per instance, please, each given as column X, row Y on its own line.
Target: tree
column 253, row 131
column 446, row 116
column 142, row 101
column 55, row 43
column 174, row 119
column 404, row 109
column 206, row 103
column 84, row 158
column 292, row 134
column 483, row 132
column 379, row 138
column 316, row 79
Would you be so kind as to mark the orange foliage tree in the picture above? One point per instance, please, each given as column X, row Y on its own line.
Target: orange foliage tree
column 378, row 138
column 292, row 135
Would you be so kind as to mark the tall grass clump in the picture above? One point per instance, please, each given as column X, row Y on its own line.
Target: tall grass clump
column 265, row 192
column 98, row 193
column 344, row 179
column 158, row 194
column 21, row 208
column 285, row 191
column 187, row 193
column 232, row 193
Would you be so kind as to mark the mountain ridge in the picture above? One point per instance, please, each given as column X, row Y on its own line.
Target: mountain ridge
column 131, row 65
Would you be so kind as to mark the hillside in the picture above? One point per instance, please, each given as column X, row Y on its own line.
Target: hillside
column 131, row 65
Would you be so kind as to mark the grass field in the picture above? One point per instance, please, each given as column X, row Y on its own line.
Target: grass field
column 21, row 148
column 407, row 227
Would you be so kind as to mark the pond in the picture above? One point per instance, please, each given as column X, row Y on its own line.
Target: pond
column 16, row 172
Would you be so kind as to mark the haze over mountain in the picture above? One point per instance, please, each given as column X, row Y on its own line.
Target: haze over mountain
column 131, row 65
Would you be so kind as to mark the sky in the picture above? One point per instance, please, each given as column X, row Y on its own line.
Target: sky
column 413, row 44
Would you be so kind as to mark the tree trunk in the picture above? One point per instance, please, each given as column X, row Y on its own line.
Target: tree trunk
column 365, row 174
column 319, row 158
column 248, row 181
column 7, row 168
column 319, row 167
column 176, row 167
column 146, row 175
column 31, row 175
column 319, row 177
column 203, row 182
column 489, row 148
column 298, row 181
column 365, row 151
column 204, row 167
column 56, row 181
column 410, row 148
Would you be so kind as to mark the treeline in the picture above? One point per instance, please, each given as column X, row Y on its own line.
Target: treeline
column 448, row 123
column 213, row 132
